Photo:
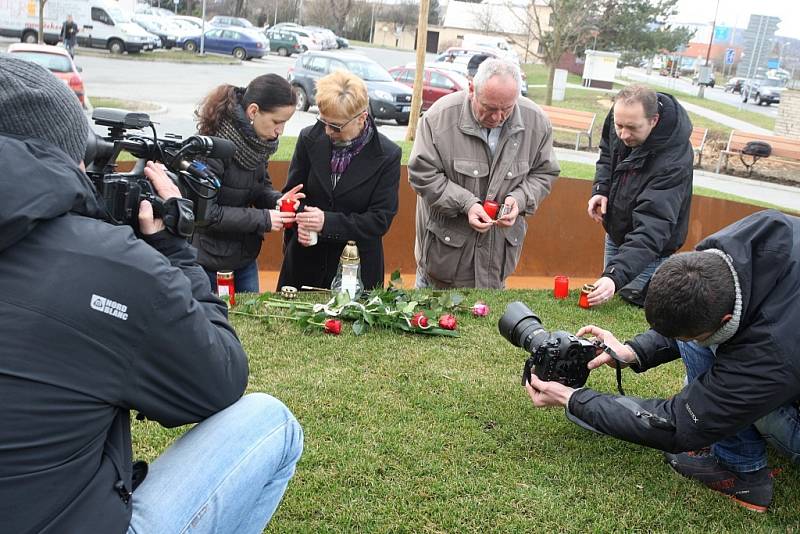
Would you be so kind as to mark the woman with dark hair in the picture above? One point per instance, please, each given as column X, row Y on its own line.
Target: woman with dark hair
column 246, row 205
column 350, row 174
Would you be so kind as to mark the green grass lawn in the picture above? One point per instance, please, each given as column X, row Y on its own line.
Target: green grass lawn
column 599, row 103
column 409, row 433
column 752, row 117
column 130, row 105
column 174, row 55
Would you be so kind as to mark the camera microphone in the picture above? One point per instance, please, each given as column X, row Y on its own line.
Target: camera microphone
column 212, row 147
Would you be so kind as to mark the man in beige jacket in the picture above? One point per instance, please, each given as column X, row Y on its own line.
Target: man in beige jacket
column 485, row 144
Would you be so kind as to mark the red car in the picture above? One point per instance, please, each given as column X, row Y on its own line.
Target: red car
column 56, row 60
column 435, row 84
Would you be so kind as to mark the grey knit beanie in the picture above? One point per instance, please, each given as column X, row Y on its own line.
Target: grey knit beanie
column 34, row 103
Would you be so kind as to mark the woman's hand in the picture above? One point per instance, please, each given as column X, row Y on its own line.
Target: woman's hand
column 293, row 194
column 311, row 219
column 279, row 218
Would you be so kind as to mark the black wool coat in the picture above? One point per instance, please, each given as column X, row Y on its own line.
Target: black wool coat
column 360, row 208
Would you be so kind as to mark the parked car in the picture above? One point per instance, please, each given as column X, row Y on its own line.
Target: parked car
column 167, row 33
column 341, row 42
column 286, row 26
column 734, row 85
column 708, row 83
column 327, row 37
column 55, row 59
column 285, row 43
column 388, row 99
column 237, row 22
column 308, row 41
column 242, row 44
column 456, row 58
column 197, row 22
column 762, row 90
column 435, row 83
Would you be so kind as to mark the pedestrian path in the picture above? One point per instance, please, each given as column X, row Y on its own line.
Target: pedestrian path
column 783, row 196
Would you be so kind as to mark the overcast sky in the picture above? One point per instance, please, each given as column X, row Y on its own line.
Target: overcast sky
column 737, row 13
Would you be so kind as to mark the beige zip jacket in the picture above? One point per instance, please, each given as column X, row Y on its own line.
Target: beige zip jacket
column 451, row 168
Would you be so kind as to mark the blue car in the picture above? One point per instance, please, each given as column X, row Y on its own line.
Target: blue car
column 242, row 44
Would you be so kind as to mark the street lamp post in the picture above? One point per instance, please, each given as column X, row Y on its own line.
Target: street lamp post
column 701, row 90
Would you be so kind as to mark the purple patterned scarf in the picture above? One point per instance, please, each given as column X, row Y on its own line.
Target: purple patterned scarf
column 342, row 156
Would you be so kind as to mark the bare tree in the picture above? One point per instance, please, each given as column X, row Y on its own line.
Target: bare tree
column 325, row 13
column 485, row 18
column 560, row 26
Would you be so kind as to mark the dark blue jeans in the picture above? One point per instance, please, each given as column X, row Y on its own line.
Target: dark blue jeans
column 245, row 280
column 747, row 450
column 641, row 280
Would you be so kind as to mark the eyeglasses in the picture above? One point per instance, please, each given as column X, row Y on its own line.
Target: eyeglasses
column 339, row 127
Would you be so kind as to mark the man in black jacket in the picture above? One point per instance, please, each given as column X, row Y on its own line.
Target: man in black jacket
column 729, row 311
column 642, row 189
column 95, row 323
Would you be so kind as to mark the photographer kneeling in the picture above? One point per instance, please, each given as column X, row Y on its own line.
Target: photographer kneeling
column 96, row 323
column 729, row 311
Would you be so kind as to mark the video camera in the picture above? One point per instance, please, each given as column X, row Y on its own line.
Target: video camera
column 122, row 192
column 558, row 356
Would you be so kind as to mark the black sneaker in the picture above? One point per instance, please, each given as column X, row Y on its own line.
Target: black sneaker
column 751, row 490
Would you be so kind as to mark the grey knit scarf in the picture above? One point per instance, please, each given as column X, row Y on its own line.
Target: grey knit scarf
column 251, row 151
column 727, row 330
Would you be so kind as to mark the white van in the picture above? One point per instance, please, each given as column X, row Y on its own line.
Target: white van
column 102, row 24
column 499, row 45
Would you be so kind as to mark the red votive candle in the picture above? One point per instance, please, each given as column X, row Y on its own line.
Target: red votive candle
column 583, row 301
column 561, row 287
column 287, row 205
column 491, row 207
column 225, row 286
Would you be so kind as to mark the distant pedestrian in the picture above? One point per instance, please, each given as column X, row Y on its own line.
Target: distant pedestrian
column 69, row 35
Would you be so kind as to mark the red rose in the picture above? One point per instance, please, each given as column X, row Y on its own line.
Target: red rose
column 448, row 322
column 333, row 326
column 418, row 320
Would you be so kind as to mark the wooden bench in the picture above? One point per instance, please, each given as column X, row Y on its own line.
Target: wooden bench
column 782, row 147
column 571, row 120
column 698, row 140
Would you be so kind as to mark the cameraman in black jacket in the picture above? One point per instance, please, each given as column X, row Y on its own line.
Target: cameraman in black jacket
column 642, row 190
column 729, row 311
column 95, row 323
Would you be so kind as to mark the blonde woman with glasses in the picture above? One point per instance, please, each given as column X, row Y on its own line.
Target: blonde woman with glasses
column 350, row 174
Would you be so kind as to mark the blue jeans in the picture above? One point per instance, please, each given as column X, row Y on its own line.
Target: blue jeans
column 747, row 451
column 245, row 280
column 641, row 280
column 225, row 475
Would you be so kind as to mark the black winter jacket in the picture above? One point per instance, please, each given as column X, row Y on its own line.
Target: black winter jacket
column 238, row 216
column 94, row 323
column 755, row 372
column 649, row 190
column 361, row 207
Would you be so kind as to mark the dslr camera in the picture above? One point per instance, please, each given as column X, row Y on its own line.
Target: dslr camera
column 558, row 356
column 122, row 192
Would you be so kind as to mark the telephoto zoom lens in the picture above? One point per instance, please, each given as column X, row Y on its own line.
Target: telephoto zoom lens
column 521, row 327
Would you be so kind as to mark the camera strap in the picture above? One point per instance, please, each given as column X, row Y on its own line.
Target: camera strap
column 617, row 365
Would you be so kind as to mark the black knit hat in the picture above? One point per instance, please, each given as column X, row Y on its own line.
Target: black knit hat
column 34, row 103
column 475, row 62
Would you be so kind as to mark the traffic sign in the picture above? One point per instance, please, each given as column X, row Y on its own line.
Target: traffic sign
column 729, row 53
